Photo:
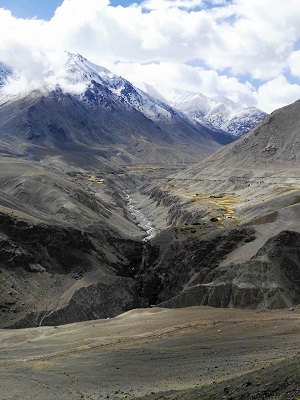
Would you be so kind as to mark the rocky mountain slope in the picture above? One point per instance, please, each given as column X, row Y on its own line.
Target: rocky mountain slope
column 86, row 109
column 217, row 112
column 67, row 252
column 73, row 247
column 70, row 248
column 273, row 145
column 235, row 217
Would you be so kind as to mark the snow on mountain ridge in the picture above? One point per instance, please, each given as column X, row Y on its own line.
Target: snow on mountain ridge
column 81, row 77
column 81, row 71
column 217, row 112
column 106, row 115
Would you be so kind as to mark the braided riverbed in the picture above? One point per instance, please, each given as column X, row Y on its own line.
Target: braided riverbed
column 142, row 221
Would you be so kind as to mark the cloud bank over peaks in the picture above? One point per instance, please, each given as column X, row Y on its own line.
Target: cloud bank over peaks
column 244, row 50
column 62, row 76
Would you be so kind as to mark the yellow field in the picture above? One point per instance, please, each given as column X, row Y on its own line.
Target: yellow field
column 220, row 207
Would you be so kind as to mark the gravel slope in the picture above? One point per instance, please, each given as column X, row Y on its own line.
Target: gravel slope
column 144, row 351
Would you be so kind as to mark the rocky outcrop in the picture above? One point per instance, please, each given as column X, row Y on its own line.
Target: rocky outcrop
column 186, row 257
column 53, row 275
column 271, row 279
column 177, row 210
column 101, row 300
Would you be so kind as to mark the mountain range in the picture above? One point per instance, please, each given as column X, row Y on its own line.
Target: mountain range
column 217, row 112
column 119, row 121
column 88, row 109
column 114, row 198
column 86, row 161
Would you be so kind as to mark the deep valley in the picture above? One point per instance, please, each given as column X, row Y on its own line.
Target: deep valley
column 143, row 253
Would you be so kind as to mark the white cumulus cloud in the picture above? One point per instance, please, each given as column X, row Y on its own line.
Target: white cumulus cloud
column 277, row 93
column 243, row 48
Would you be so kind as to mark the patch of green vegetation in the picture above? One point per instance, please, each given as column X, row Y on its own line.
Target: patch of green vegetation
column 198, row 229
column 220, row 208
column 186, row 228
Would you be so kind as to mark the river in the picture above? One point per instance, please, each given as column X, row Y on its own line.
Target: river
column 141, row 219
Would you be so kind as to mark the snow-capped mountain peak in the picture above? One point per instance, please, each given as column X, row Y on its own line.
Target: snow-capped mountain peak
column 90, row 82
column 218, row 112
column 157, row 102
column 74, row 77
column 78, row 69
column 83, row 105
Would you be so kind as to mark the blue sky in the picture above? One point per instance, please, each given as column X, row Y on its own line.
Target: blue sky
column 123, row 3
column 44, row 9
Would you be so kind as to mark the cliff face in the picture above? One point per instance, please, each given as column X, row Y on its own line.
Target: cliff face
column 189, row 271
column 66, row 254
column 56, row 275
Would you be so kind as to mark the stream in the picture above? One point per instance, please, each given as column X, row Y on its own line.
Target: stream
column 142, row 220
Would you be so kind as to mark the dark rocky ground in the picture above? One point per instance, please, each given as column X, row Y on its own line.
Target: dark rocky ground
column 66, row 254
column 188, row 269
